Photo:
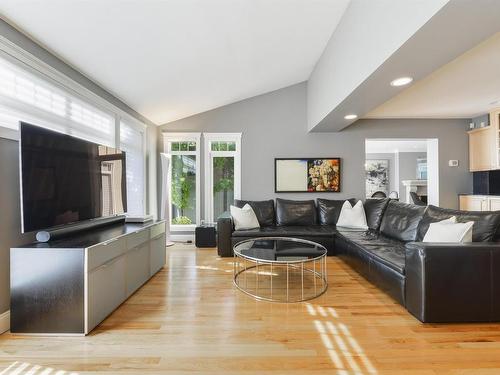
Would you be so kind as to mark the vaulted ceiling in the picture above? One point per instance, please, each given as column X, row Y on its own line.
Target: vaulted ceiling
column 174, row 58
column 170, row 59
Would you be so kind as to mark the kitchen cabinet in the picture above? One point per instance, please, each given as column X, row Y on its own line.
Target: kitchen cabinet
column 479, row 203
column 484, row 146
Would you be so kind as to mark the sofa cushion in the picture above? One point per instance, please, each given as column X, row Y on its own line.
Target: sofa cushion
column 288, row 231
column 329, row 210
column 486, row 224
column 400, row 220
column 385, row 250
column 264, row 210
column 291, row 212
column 374, row 210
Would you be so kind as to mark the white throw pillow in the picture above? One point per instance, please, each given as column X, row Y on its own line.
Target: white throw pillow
column 244, row 218
column 352, row 217
column 452, row 219
column 449, row 231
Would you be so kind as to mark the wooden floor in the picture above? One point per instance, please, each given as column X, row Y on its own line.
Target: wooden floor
column 189, row 318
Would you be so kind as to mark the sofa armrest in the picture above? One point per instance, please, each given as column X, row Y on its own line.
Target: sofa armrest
column 224, row 233
column 450, row 282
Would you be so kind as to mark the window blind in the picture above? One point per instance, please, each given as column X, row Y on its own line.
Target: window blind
column 132, row 142
column 29, row 96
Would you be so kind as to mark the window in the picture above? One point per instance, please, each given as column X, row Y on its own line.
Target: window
column 222, row 172
column 25, row 95
column 32, row 91
column 184, row 179
column 132, row 141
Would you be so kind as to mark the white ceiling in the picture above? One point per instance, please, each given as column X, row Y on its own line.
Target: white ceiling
column 465, row 87
column 381, row 146
column 169, row 59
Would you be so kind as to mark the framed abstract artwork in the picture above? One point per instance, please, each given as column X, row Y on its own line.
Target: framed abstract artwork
column 307, row 175
column 377, row 176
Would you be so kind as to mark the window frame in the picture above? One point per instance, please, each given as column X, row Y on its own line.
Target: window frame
column 208, row 155
column 141, row 128
column 24, row 60
column 168, row 138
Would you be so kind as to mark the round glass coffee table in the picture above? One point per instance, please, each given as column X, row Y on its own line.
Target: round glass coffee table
column 280, row 269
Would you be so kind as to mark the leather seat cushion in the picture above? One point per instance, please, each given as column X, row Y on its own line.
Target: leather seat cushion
column 485, row 228
column 383, row 249
column 329, row 210
column 264, row 210
column 291, row 212
column 288, row 231
column 401, row 220
column 374, row 210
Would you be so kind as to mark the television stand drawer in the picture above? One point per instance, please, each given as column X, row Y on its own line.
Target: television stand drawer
column 102, row 253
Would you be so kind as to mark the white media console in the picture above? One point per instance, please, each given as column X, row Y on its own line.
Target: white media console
column 70, row 285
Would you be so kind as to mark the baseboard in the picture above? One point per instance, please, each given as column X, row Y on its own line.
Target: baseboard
column 181, row 237
column 4, row 322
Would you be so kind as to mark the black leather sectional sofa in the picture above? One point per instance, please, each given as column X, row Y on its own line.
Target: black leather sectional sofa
column 436, row 282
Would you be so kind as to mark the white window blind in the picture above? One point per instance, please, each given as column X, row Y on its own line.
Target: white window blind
column 29, row 96
column 132, row 142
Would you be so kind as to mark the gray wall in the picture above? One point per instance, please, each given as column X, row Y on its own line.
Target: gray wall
column 408, row 168
column 10, row 229
column 393, row 184
column 275, row 125
column 10, row 219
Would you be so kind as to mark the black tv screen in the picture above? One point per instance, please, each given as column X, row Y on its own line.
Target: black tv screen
column 67, row 180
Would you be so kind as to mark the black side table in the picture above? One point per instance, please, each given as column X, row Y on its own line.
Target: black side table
column 205, row 236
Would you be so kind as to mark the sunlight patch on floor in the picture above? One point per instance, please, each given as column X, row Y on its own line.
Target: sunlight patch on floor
column 345, row 352
column 208, row 268
column 18, row 368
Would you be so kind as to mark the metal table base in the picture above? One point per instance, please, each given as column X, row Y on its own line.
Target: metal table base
column 309, row 278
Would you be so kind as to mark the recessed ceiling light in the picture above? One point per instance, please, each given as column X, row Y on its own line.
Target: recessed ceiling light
column 401, row 81
column 350, row 117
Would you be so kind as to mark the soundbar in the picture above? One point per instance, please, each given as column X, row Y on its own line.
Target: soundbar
column 71, row 229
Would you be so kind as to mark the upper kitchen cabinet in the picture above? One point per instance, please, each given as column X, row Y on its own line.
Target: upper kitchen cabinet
column 484, row 145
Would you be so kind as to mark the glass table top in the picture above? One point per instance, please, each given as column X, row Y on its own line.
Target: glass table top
column 279, row 250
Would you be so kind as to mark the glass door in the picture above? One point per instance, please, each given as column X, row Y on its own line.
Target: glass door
column 183, row 190
column 222, row 173
column 222, row 183
column 183, row 180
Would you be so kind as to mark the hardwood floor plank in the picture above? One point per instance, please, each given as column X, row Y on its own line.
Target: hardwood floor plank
column 189, row 318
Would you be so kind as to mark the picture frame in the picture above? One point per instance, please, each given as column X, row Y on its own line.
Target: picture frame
column 307, row 175
column 376, row 176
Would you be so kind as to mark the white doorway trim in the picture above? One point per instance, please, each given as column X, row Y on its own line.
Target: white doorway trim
column 208, row 157
column 397, row 145
column 433, row 171
column 168, row 138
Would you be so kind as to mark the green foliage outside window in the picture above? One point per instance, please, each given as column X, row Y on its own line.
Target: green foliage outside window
column 224, row 169
column 183, row 183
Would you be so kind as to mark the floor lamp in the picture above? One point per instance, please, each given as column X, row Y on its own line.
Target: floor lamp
column 165, row 194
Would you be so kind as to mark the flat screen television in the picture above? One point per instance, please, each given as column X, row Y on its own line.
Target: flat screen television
column 68, row 180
